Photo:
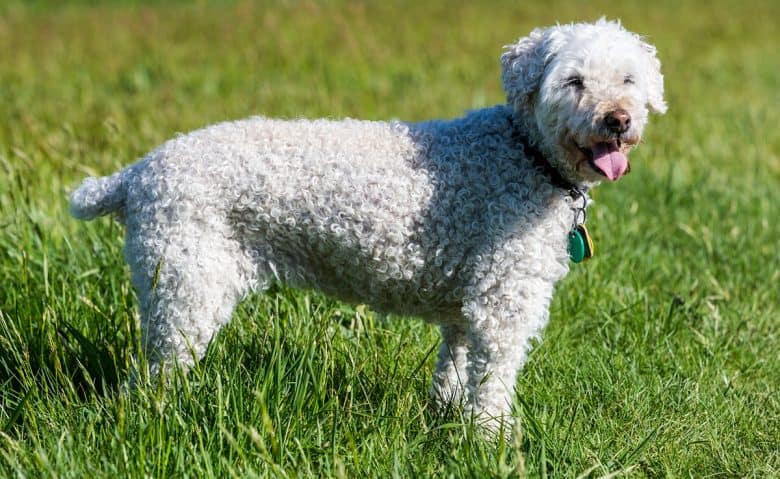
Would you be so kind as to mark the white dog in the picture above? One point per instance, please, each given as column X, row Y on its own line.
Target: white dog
column 466, row 223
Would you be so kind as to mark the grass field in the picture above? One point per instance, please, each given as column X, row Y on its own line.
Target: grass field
column 662, row 355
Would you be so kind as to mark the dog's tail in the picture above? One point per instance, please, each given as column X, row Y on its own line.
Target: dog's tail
column 99, row 196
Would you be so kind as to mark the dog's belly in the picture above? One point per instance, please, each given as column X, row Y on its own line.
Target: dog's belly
column 381, row 257
column 384, row 285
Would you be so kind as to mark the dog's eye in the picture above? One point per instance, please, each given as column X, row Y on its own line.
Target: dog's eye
column 628, row 80
column 573, row 81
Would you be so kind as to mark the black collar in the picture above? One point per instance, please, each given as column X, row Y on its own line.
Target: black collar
column 576, row 192
column 544, row 166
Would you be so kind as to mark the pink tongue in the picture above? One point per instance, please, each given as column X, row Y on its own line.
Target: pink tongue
column 610, row 160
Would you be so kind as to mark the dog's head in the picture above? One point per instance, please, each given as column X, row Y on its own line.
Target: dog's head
column 584, row 91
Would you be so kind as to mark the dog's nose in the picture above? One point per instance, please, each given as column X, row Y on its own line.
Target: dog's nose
column 618, row 121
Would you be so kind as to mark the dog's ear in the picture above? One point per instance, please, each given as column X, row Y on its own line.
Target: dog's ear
column 655, row 80
column 522, row 68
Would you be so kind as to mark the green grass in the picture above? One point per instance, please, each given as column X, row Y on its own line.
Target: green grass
column 662, row 355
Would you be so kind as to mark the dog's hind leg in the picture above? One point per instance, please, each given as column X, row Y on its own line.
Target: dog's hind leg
column 188, row 282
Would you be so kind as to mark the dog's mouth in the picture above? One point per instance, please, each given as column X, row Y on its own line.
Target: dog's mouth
column 606, row 158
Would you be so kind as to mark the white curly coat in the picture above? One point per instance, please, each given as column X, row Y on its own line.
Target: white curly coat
column 447, row 220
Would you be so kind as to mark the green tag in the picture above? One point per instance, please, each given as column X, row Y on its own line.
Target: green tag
column 580, row 244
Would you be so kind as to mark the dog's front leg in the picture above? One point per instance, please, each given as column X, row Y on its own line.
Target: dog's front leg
column 450, row 378
column 502, row 322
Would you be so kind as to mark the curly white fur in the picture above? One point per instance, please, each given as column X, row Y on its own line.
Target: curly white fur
column 447, row 220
